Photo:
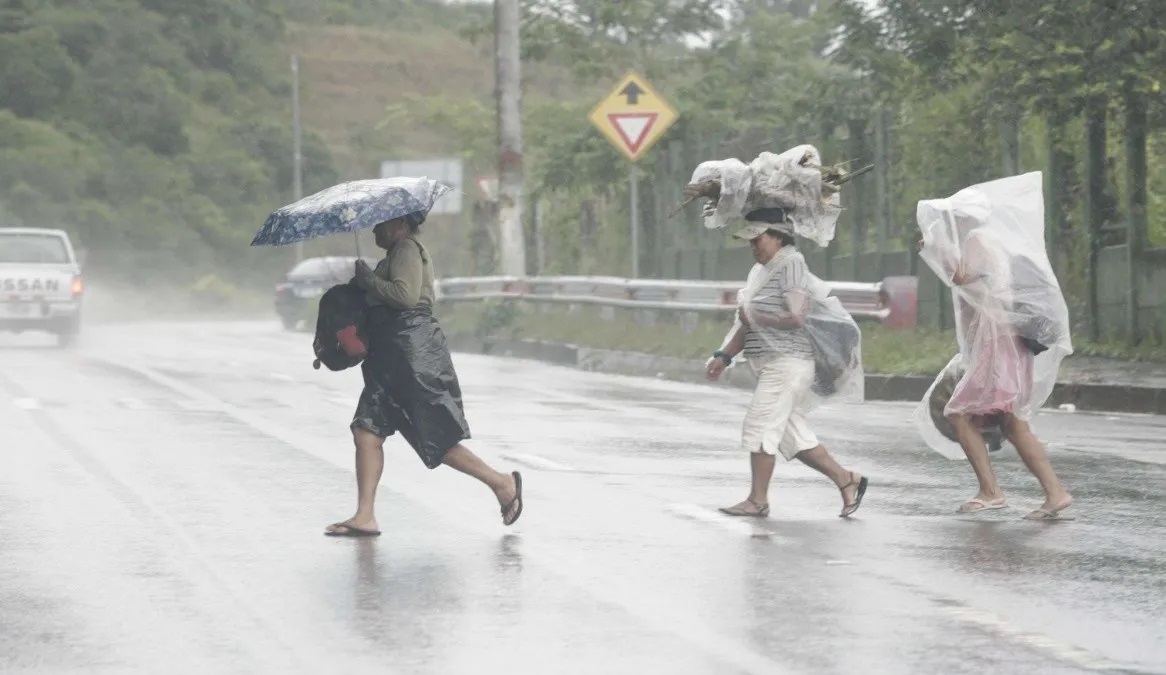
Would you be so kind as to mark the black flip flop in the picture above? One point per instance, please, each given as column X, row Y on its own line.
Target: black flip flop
column 517, row 498
column 848, row 510
column 350, row 531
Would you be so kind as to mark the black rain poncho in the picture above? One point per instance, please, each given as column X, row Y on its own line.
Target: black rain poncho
column 410, row 384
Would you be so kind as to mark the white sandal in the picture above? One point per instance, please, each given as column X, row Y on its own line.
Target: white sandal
column 983, row 506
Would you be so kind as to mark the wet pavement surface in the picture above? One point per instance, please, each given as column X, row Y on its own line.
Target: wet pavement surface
column 164, row 488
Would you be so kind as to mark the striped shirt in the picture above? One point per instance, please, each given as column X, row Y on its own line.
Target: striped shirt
column 787, row 271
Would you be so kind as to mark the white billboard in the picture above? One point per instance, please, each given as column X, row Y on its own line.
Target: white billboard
column 448, row 171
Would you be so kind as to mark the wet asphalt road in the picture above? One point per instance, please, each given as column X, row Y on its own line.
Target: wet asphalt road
column 163, row 489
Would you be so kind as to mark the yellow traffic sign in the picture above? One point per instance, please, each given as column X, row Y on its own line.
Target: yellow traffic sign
column 633, row 116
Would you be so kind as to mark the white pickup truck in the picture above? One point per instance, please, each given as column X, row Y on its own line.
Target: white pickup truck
column 40, row 283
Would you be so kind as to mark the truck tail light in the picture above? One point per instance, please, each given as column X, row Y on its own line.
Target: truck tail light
column 78, row 285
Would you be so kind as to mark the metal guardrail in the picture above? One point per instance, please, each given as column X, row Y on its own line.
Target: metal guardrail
column 863, row 300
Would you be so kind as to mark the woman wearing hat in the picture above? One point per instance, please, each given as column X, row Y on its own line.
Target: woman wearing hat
column 409, row 381
column 770, row 331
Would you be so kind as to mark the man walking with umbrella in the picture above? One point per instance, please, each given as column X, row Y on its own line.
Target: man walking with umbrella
column 410, row 385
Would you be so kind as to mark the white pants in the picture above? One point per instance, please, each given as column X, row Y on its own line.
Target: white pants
column 773, row 424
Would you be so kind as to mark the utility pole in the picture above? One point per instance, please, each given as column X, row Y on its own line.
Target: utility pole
column 634, row 180
column 297, row 149
column 508, row 84
column 882, row 176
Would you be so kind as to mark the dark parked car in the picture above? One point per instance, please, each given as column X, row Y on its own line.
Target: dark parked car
column 298, row 296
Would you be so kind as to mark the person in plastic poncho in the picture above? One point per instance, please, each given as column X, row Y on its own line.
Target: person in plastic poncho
column 772, row 329
column 987, row 243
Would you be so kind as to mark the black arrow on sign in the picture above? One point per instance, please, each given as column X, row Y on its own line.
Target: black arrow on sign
column 632, row 92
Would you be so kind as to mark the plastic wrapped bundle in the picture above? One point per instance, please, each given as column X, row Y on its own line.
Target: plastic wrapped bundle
column 794, row 181
column 1012, row 324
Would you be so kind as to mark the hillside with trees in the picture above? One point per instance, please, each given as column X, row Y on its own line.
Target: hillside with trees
column 153, row 130
column 159, row 131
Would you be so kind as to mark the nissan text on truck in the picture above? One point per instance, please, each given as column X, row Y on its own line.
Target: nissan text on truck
column 40, row 283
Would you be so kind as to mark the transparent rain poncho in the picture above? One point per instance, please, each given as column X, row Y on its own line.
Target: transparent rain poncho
column 791, row 180
column 828, row 329
column 1012, row 324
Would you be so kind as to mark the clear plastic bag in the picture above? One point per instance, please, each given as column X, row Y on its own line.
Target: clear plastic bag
column 736, row 181
column 827, row 333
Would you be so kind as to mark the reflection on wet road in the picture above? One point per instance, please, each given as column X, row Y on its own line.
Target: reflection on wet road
column 163, row 490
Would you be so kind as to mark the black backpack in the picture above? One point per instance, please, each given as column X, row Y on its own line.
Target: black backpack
column 941, row 393
column 1032, row 296
column 341, row 337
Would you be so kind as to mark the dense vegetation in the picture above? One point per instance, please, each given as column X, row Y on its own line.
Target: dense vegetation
column 948, row 92
column 163, row 126
column 152, row 129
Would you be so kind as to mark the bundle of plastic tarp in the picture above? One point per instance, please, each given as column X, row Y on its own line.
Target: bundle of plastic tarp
column 793, row 181
column 1012, row 324
column 790, row 192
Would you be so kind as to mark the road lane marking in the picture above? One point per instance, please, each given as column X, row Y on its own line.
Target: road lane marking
column 731, row 523
column 1040, row 642
column 536, row 462
column 133, row 404
column 343, row 401
column 996, row 625
column 194, row 406
column 26, row 403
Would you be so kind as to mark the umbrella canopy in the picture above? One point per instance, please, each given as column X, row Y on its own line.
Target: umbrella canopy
column 348, row 207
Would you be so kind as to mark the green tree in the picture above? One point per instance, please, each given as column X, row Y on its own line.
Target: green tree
column 123, row 121
column 35, row 71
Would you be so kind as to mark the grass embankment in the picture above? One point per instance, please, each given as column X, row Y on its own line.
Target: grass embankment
column 918, row 351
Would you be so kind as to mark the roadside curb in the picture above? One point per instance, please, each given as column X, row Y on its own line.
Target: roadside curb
column 1098, row 397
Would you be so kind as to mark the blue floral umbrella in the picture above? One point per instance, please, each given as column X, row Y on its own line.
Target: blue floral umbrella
column 348, row 207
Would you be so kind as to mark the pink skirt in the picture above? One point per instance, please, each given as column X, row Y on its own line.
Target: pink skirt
column 998, row 379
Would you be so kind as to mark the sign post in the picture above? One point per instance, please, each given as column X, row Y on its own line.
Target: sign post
column 634, row 193
column 633, row 117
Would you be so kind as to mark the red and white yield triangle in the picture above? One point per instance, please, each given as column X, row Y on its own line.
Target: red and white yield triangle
column 633, row 128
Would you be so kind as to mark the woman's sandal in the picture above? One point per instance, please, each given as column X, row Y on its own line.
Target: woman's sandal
column 517, row 500
column 345, row 530
column 1051, row 514
column 761, row 512
column 976, row 505
column 1045, row 514
column 849, row 508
